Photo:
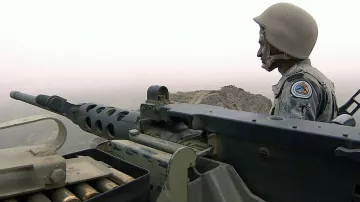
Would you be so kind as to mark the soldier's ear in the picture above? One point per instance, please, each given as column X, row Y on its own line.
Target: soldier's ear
column 274, row 51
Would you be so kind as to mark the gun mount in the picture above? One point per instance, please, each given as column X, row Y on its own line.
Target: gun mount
column 198, row 152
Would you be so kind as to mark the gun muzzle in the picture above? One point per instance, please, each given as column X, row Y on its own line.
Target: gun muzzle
column 52, row 103
column 30, row 99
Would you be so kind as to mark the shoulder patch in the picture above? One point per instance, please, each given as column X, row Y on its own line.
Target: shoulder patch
column 301, row 89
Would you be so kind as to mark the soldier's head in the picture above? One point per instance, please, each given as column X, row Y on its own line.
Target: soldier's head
column 287, row 34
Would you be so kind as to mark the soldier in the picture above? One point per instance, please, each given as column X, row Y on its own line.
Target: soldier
column 288, row 35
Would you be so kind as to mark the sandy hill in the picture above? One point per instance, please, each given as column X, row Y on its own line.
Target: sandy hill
column 230, row 97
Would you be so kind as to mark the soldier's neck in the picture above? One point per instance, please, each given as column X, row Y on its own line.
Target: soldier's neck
column 283, row 69
column 284, row 66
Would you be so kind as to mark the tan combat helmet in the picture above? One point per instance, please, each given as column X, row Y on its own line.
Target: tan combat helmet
column 290, row 29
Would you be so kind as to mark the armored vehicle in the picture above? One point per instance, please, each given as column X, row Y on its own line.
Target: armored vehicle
column 178, row 152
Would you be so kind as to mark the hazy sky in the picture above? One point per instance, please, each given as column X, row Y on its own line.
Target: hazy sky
column 189, row 44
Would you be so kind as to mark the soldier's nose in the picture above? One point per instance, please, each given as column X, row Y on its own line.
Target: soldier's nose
column 259, row 53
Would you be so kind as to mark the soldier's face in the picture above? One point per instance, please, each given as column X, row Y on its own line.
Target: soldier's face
column 264, row 52
column 261, row 50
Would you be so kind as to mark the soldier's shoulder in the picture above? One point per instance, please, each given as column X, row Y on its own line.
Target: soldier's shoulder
column 303, row 86
column 302, row 76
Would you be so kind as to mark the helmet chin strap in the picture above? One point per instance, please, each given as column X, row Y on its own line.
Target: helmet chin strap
column 269, row 62
column 270, row 59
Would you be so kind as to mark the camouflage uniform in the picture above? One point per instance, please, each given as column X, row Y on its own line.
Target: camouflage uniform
column 305, row 93
column 288, row 34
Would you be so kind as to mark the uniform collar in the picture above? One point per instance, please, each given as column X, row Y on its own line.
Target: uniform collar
column 296, row 68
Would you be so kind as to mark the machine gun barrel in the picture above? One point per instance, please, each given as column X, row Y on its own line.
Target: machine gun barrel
column 53, row 103
column 30, row 99
column 103, row 121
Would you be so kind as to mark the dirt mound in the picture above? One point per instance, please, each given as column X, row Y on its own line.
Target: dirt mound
column 229, row 97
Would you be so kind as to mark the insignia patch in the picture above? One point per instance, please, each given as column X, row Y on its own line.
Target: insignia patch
column 301, row 89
